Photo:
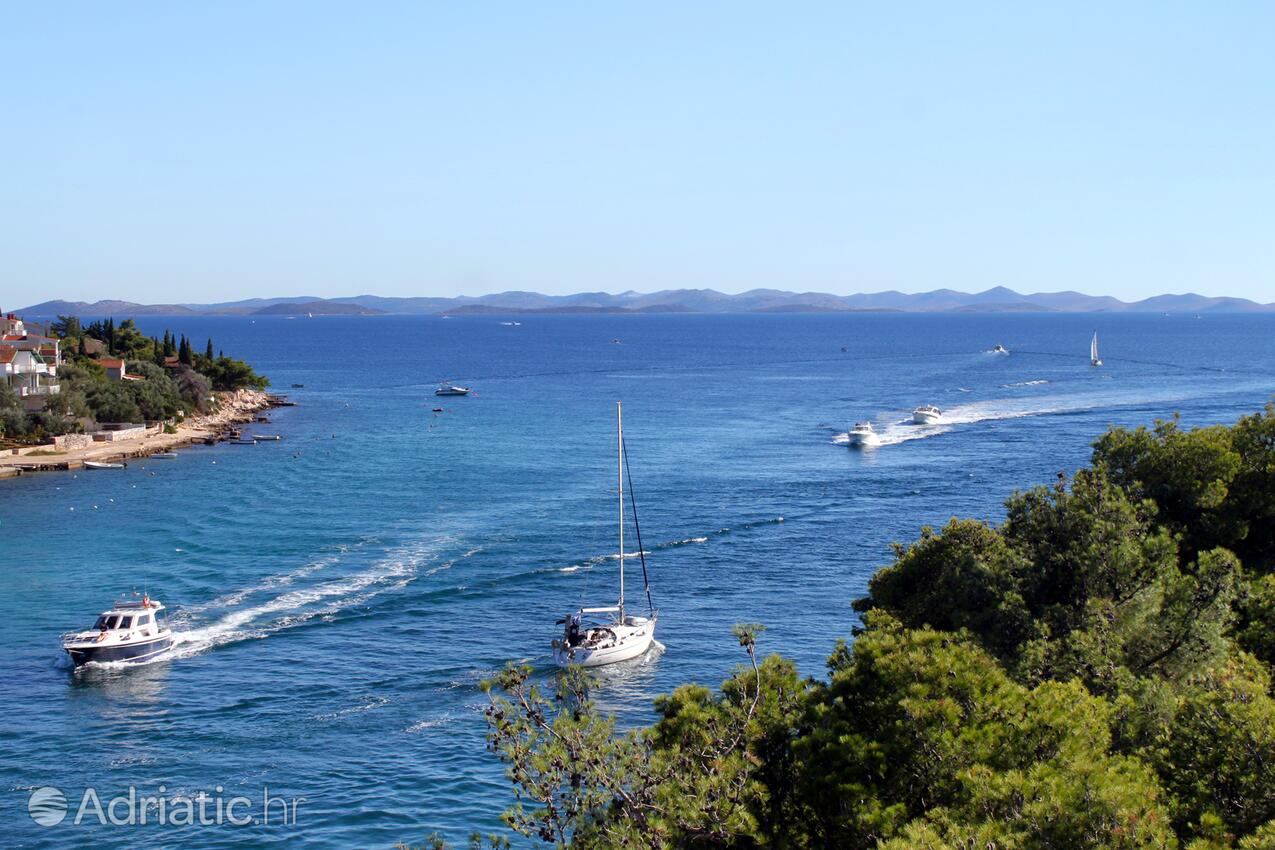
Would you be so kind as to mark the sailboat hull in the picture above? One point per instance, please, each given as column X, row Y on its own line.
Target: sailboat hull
column 631, row 640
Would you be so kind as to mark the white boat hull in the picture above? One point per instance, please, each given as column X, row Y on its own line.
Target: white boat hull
column 864, row 440
column 926, row 418
column 632, row 641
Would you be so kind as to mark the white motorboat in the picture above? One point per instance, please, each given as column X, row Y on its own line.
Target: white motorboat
column 927, row 414
column 131, row 630
column 101, row 464
column 592, row 637
column 165, row 455
column 1094, row 360
column 862, row 435
column 1000, row 349
column 448, row 388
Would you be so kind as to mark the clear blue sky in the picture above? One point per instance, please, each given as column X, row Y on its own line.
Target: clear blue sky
column 211, row 151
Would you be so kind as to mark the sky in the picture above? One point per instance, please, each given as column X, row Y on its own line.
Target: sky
column 198, row 152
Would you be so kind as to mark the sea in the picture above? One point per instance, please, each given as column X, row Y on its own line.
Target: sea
column 338, row 596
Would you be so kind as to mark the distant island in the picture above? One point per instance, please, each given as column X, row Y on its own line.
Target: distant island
column 998, row 299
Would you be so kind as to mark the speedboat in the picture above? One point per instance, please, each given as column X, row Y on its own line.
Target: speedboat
column 267, row 437
column 596, row 636
column 165, row 455
column 100, row 464
column 448, row 388
column 131, row 630
column 927, row 414
column 1000, row 349
column 863, row 435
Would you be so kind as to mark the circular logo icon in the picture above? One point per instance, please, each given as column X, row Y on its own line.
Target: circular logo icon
column 47, row 806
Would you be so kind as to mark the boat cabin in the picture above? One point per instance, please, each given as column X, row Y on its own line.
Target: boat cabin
column 129, row 620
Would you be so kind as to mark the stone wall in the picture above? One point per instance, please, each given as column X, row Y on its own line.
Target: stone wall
column 71, row 442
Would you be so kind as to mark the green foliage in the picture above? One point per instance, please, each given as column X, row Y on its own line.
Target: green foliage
column 13, row 417
column 1214, row 486
column 112, row 402
column 1076, row 583
column 1216, row 754
column 1256, row 633
column 227, row 374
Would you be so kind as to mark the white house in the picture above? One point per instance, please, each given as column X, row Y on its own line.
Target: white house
column 30, row 377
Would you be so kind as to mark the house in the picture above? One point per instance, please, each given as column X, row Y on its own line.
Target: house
column 115, row 369
column 29, row 375
column 29, row 361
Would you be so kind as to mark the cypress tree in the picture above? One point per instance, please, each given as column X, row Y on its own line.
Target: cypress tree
column 208, row 352
column 183, row 351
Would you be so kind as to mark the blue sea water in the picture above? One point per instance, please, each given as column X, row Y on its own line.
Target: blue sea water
column 340, row 594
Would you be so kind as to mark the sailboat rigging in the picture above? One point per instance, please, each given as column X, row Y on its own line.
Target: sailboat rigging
column 593, row 636
column 1094, row 360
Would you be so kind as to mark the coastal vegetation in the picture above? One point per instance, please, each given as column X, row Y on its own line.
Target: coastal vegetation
column 166, row 379
column 1093, row 672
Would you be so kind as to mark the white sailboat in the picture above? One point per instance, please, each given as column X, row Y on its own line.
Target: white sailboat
column 1094, row 360
column 595, row 636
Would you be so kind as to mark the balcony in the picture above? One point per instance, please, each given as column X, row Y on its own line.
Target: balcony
column 46, row 389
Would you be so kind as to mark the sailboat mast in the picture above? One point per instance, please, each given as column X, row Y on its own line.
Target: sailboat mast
column 619, row 430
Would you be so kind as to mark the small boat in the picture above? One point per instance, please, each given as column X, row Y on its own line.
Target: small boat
column 1000, row 349
column 131, row 630
column 1094, row 360
column 593, row 637
column 243, row 441
column 438, row 410
column 862, row 435
column 448, row 388
column 164, row 455
column 512, row 324
column 101, row 464
column 267, row 436
column 927, row 414
column 298, row 386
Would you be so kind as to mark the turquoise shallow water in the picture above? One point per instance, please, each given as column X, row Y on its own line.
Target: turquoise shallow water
column 340, row 594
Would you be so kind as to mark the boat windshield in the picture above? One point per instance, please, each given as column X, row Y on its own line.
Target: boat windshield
column 107, row 621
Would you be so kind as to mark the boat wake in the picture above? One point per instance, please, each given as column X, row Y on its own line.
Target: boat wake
column 902, row 430
column 395, row 570
column 662, row 547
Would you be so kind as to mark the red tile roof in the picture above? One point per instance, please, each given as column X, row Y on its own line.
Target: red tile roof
column 7, row 354
column 111, row 363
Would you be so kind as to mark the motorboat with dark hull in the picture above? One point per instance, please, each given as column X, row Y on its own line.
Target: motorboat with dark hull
column 131, row 631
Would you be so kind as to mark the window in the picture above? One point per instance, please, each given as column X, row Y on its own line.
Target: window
column 126, row 622
column 144, row 620
column 103, row 622
column 112, row 621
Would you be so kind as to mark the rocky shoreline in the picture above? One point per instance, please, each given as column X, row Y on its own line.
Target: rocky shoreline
column 234, row 408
